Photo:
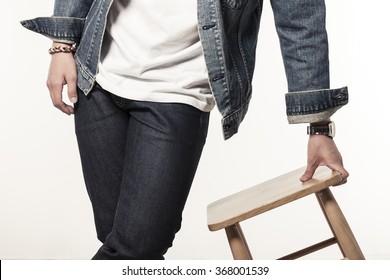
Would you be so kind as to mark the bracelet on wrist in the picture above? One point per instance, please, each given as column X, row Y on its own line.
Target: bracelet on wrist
column 62, row 49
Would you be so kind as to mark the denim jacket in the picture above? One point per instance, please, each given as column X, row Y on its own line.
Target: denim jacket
column 228, row 30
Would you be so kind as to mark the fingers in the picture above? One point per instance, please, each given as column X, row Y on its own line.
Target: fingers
column 322, row 151
column 62, row 72
column 343, row 173
column 310, row 169
column 55, row 89
column 72, row 91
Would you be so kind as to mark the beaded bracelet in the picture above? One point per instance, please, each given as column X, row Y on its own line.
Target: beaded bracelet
column 62, row 49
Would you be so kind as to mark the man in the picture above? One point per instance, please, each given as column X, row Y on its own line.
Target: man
column 162, row 58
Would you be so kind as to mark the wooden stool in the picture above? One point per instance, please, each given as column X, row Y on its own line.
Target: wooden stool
column 229, row 211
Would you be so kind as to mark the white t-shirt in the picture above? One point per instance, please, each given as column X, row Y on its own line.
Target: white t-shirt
column 152, row 52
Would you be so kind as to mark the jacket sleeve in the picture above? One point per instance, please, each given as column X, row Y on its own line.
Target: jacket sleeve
column 66, row 24
column 300, row 25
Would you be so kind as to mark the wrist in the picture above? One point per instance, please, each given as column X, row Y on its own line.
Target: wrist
column 59, row 47
column 321, row 123
column 58, row 44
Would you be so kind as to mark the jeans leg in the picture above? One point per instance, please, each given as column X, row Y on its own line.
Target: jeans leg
column 101, row 129
column 163, row 147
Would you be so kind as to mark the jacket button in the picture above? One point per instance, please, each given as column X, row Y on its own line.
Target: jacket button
column 205, row 27
column 341, row 96
column 226, row 126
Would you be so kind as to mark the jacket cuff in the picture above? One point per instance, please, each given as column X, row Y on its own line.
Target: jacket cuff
column 60, row 29
column 315, row 105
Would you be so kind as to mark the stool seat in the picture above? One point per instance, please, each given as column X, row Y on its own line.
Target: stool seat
column 266, row 196
column 227, row 212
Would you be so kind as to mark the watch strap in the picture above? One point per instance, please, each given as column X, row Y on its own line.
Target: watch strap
column 318, row 130
column 328, row 130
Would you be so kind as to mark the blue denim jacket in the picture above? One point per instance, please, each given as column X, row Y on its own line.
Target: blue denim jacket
column 228, row 31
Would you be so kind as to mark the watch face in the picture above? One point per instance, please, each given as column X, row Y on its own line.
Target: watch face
column 328, row 130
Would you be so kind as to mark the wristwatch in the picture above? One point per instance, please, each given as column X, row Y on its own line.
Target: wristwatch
column 328, row 130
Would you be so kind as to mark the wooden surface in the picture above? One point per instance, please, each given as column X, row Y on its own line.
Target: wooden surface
column 339, row 226
column 237, row 242
column 266, row 196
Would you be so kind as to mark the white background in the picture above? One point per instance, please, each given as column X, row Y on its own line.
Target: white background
column 44, row 209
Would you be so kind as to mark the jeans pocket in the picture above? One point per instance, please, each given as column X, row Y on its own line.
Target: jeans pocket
column 119, row 101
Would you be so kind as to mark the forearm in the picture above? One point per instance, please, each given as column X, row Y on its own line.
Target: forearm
column 67, row 23
column 314, row 106
column 321, row 123
column 304, row 44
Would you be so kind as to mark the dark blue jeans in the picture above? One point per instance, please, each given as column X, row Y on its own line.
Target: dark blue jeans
column 139, row 160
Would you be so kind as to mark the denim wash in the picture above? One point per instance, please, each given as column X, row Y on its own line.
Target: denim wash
column 139, row 160
column 228, row 30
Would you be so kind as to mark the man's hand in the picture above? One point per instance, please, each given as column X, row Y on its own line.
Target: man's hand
column 322, row 151
column 62, row 72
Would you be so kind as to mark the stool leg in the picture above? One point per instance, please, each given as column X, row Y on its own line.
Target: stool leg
column 339, row 226
column 237, row 242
